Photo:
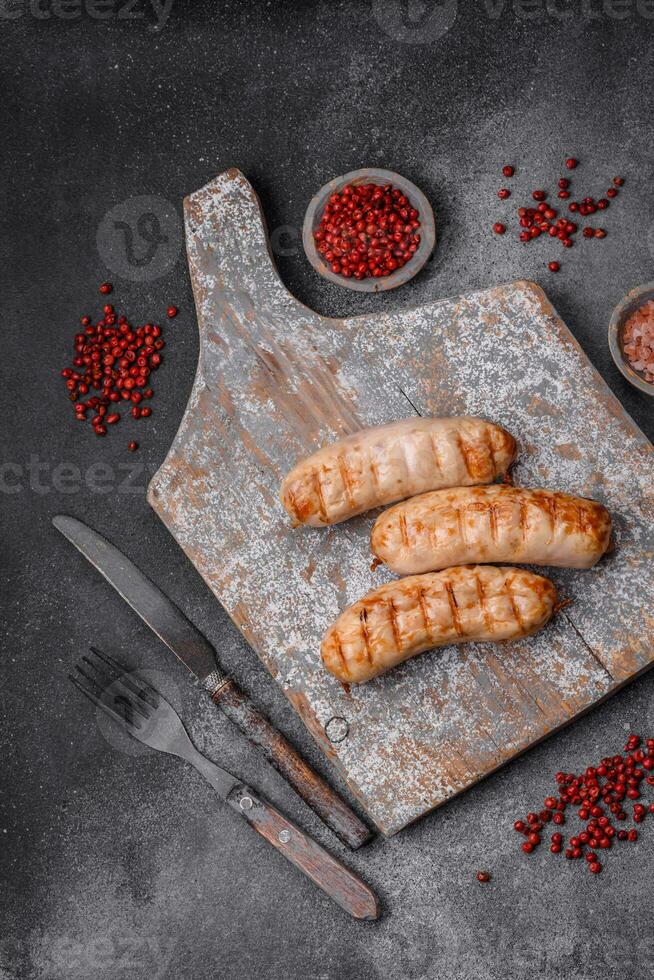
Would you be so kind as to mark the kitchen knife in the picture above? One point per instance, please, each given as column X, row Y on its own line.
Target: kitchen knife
column 194, row 650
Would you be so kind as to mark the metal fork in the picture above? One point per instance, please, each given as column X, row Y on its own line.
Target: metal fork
column 146, row 715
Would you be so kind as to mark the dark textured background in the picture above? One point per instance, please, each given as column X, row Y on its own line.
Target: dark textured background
column 120, row 863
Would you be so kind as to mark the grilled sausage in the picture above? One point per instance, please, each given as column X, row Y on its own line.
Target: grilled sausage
column 405, row 617
column 491, row 524
column 378, row 466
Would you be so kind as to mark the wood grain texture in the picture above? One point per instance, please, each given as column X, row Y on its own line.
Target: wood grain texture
column 275, row 381
column 313, row 789
column 337, row 881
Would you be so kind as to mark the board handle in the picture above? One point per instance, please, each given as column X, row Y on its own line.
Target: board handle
column 313, row 789
column 337, row 881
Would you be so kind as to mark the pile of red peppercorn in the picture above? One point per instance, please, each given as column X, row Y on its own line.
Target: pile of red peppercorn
column 599, row 789
column 545, row 219
column 116, row 360
column 368, row 230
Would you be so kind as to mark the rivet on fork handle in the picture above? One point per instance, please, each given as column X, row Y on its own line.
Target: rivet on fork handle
column 337, row 881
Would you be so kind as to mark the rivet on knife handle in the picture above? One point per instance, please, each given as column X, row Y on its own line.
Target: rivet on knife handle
column 334, row 878
column 281, row 754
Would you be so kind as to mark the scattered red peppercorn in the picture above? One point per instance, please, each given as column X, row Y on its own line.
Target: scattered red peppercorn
column 132, row 446
column 504, row 193
column 114, row 359
column 105, row 288
column 553, row 266
column 483, row 877
column 508, row 171
column 598, row 792
column 171, row 311
column 542, row 219
column 618, row 181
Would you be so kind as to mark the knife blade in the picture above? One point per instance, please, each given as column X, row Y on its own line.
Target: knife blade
column 159, row 612
column 189, row 645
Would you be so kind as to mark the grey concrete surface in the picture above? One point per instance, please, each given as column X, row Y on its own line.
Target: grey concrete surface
column 121, row 864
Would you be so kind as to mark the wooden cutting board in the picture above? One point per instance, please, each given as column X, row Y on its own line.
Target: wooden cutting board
column 276, row 380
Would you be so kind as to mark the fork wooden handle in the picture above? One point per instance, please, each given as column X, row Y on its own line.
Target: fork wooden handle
column 337, row 881
column 325, row 801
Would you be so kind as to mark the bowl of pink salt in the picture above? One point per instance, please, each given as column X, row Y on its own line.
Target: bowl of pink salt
column 631, row 337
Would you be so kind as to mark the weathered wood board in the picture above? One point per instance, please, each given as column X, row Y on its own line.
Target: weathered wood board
column 276, row 380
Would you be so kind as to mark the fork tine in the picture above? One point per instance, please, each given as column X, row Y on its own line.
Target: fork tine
column 142, row 693
column 92, row 680
column 123, row 721
column 116, row 667
column 147, row 692
column 121, row 692
column 117, row 686
column 130, row 683
column 100, row 692
column 119, row 682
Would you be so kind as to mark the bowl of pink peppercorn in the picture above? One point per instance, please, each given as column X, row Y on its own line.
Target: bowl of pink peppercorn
column 369, row 230
column 631, row 337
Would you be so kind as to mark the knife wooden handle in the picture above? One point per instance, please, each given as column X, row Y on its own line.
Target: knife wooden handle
column 337, row 881
column 329, row 806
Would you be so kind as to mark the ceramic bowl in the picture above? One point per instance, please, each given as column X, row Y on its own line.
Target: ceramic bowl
column 371, row 175
column 632, row 301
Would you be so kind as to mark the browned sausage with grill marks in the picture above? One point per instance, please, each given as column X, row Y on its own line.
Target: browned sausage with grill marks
column 491, row 524
column 401, row 619
column 378, row 466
